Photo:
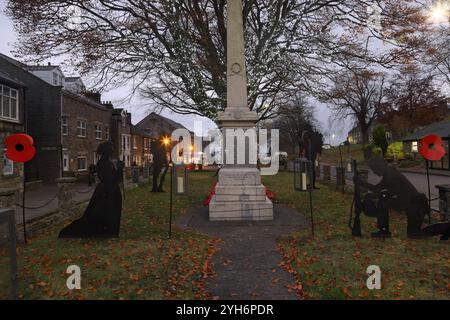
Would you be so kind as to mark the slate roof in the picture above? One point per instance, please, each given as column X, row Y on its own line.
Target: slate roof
column 441, row 129
column 6, row 77
column 139, row 132
column 155, row 125
column 41, row 68
column 71, row 79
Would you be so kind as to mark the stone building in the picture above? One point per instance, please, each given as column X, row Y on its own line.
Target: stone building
column 66, row 122
column 85, row 124
column 121, row 135
column 12, row 112
column 43, row 104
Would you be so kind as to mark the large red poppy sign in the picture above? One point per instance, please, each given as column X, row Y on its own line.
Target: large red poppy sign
column 432, row 147
column 19, row 147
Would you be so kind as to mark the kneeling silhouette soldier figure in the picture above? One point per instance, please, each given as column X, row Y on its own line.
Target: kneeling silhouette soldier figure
column 396, row 192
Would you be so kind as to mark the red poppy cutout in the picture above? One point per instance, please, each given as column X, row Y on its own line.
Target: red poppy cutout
column 19, row 147
column 432, row 147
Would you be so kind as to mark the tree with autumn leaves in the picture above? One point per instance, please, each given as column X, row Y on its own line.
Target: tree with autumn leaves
column 173, row 52
column 412, row 101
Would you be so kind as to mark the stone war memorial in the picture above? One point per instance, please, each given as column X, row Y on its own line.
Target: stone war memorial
column 240, row 194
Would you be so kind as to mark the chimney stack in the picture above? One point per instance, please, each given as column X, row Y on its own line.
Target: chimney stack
column 96, row 96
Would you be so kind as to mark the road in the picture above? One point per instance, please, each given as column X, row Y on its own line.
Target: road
column 419, row 180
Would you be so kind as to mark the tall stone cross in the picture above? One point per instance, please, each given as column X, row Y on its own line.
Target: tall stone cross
column 239, row 193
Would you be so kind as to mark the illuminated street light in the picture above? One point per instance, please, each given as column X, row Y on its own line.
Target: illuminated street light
column 166, row 141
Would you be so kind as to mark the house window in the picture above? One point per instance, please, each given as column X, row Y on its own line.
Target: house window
column 82, row 163
column 66, row 162
column 415, row 146
column 81, row 128
column 65, row 126
column 9, row 105
column 8, row 166
column 98, row 132
column 135, row 142
column 106, row 133
column 55, row 78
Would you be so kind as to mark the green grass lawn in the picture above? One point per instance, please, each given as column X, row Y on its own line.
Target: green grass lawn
column 332, row 155
column 141, row 264
column 144, row 264
column 333, row 264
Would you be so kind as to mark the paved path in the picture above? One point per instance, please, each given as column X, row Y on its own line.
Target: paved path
column 246, row 264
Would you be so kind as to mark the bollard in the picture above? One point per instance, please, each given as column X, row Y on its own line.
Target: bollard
column 135, row 175
column 363, row 175
column 340, row 176
column 444, row 201
column 146, row 173
column 326, row 172
column 65, row 195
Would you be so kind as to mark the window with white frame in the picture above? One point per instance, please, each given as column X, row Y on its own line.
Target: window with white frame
column 106, row 133
column 135, row 142
column 65, row 126
column 415, row 146
column 98, row 132
column 66, row 162
column 81, row 128
column 82, row 163
column 55, row 78
column 9, row 103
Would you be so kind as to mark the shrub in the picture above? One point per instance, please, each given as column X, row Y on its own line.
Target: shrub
column 371, row 150
column 395, row 151
column 379, row 139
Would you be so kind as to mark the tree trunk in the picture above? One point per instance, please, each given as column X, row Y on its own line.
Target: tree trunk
column 365, row 134
column 156, row 172
column 163, row 177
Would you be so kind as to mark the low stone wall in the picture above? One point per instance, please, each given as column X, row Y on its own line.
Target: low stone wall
column 41, row 224
column 33, row 185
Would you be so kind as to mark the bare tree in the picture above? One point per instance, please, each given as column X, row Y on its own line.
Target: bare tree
column 173, row 51
column 294, row 118
column 358, row 94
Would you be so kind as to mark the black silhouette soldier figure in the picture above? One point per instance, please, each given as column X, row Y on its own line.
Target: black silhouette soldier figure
column 311, row 146
column 393, row 192
column 160, row 161
column 102, row 216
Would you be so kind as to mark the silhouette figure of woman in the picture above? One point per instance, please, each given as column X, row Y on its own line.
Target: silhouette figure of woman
column 102, row 216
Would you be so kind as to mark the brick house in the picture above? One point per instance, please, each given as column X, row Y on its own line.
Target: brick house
column 12, row 113
column 140, row 147
column 157, row 126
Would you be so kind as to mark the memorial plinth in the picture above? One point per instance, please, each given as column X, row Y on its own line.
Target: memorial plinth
column 239, row 194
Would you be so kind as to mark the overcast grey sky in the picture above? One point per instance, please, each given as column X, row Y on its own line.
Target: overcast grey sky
column 118, row 96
